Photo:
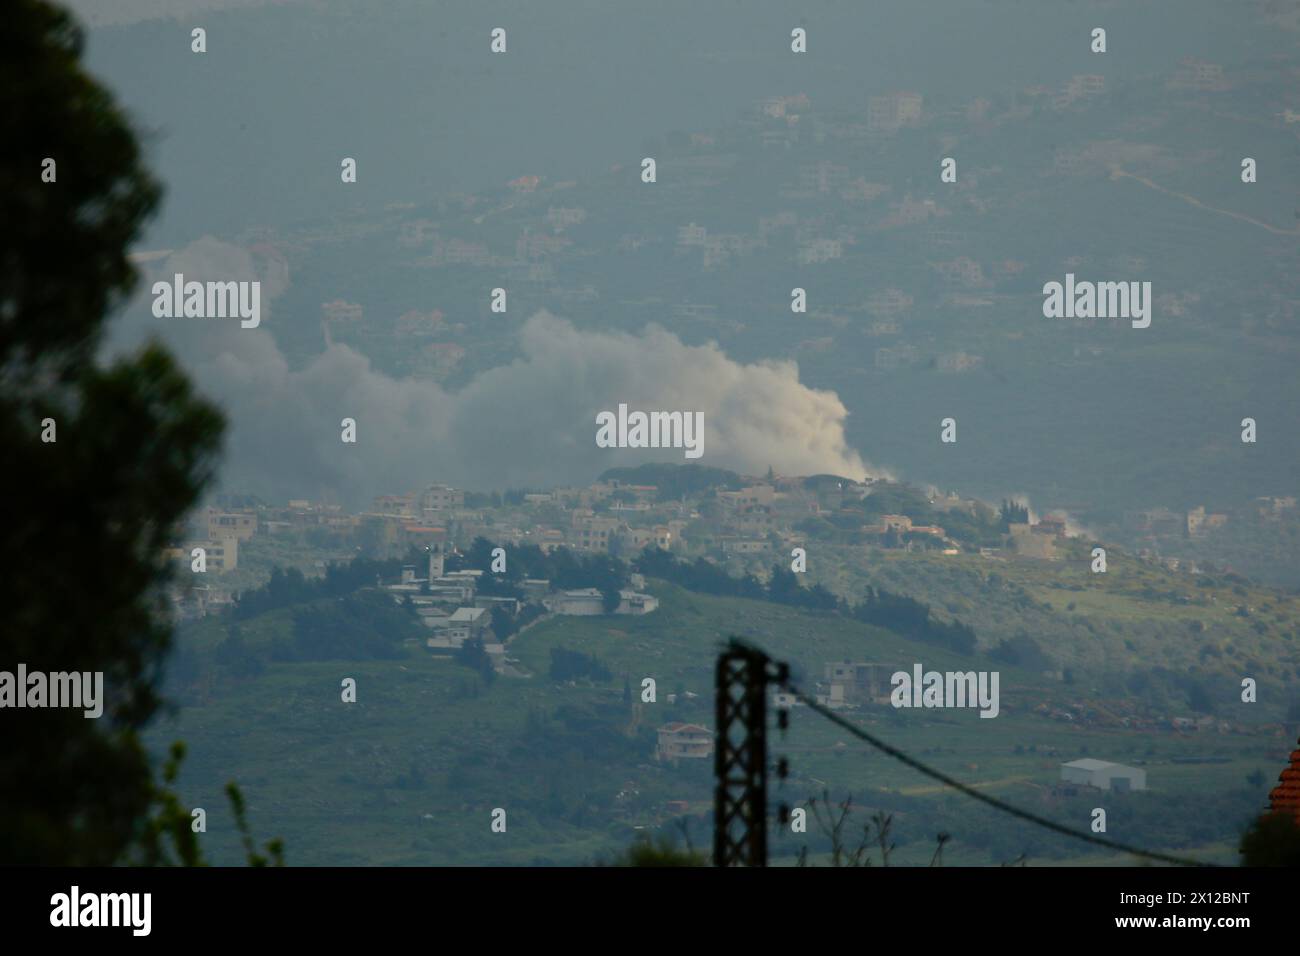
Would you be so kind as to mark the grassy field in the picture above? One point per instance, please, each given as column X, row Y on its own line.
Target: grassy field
column 411, row 772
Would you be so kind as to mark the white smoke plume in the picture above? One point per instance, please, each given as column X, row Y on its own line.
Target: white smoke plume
column 531, row 423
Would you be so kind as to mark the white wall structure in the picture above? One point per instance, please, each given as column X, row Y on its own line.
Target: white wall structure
column 1103, row 775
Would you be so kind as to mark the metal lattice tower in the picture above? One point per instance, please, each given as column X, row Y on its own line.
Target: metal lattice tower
column 740, row 760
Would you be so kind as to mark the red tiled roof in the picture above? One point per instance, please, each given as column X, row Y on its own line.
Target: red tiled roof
column 1286, row 795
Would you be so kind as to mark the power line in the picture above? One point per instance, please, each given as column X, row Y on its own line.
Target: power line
column 983, row 797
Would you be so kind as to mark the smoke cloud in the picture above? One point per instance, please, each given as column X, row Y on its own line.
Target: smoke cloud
column 531, row 423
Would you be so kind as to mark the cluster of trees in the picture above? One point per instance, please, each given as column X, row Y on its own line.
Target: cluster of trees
column 978, row 528
column 506, row 625
column 783, row 587
column 1022, row 651
column 575, row 665
column 288, row 587
column 912, row 619
column 705, row 577
column 473, row 654
column 355, row 627
column 700, row 575
column 565, row 569
column 904, row 616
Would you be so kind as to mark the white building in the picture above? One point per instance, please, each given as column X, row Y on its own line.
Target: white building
column 635, row 603
column 584, row 602
column 1103, row 775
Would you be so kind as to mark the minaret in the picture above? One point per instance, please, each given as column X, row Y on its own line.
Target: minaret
column 435, row 562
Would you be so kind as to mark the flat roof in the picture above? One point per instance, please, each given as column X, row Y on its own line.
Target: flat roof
column 1087, row 763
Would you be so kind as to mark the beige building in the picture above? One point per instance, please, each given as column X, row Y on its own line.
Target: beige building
column 441, row 498
column 220, row 555
column 684, row 742
column 1027, row 543
column 854, row 683
column 749, row 497
column 238, row 525
column 592, row 532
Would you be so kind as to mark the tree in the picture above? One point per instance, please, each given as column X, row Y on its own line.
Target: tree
column 1013, row 513
column 1273, row 839
column 473, row 654
column 134, row 447
column 503, row 623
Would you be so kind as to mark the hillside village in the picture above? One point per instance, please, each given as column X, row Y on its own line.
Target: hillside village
column 1068, row 739
column 755, row 522
column 455, row 559
column 730, row 519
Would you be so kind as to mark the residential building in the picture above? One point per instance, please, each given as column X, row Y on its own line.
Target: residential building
column 891, row 112
column 441, row 498
column 678, row 741
column 221, row 555
column 854, row 683
column 634, row 602
column 238, row 525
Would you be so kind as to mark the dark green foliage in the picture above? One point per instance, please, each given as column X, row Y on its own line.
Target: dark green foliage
column 1273, row 839
column 1198, row 698
column 784, row 588
column 1013, row 513
column 473, row 654
column 135, row 448
column 897, row 499
column 274, row 848
column 503, row 622
column 982, row 529
column 911, row 618
column 565, row 569
column 288, row 587
column 171, row 824
column 700, row 575
column 363, row 626
column 1022, row 651
column 575, row 665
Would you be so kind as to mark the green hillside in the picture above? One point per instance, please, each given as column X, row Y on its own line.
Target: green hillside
column 410, row 773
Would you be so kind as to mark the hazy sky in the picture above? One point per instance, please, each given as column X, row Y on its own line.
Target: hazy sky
column 250, row 131
column 250, row 134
